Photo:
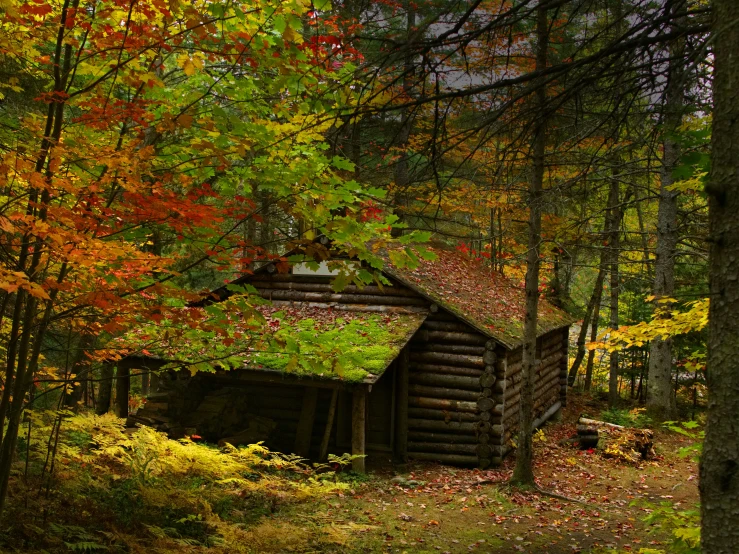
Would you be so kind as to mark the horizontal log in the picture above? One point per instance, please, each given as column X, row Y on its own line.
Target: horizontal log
column 446, row 448
column 371, row 290
column 376, row 308
column 446, row 369
column 515, row 355
column 454, row 459
column 448, row 438
column 456, row 337
column 429, row 346
column 498, row 452
column 546, row 352
column 443, row 315
column 441, row 380
column 444, row 426
column 444, row 358
column 512, row 369
column 551, row 392
column 489, row 357
column 512, row 412
column 543, row 381
column 290, row 277
column 302, row 296
column 550, row 339
column 543, row 418
column 484, row 450
column 487, row 379
column 442, row 404
column 442, row 392
column 598, row 423
column 433, row 323
column 442, row 415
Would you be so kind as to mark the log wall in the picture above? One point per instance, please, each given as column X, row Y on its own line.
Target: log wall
column 451, row 393
column 551, row 381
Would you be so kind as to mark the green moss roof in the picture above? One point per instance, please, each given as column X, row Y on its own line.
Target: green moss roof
column 485, row 299
column 302, row 340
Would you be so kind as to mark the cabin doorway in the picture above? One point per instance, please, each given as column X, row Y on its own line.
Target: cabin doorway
column 380, row 416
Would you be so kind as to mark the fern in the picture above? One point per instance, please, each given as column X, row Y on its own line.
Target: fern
column 85, row 546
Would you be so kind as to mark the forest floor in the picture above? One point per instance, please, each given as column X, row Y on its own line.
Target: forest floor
column 440, row 509
column 145, row 493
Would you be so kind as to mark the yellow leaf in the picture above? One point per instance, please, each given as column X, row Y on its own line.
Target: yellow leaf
column 189, row 68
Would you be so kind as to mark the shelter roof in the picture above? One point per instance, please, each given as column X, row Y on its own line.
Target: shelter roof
column 483, row 298
column 301, row 340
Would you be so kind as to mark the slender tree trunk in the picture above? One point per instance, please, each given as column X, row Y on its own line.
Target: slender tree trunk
column 591, row 355
column 80, row 372
column 613, row 322
column 615, row 215
column 402, row 171
column 660, row 401
column 523, row 473
column 719, row 471
column 594, row 300
column 105, row 391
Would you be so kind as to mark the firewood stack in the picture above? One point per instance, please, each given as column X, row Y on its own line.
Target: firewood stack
column 624, row 443
column 587, row 435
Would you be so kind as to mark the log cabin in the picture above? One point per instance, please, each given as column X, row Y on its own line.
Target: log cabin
column 426, row 366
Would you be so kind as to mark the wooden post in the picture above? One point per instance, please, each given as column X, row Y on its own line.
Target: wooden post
column 105, row 388
column 145, row 382
column 153, row 381
column 401, row 407
column 122, row 387
column 323, row 453
column 305, row 423
column 359, row 407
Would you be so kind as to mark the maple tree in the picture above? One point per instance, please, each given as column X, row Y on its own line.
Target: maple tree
column 151, row 128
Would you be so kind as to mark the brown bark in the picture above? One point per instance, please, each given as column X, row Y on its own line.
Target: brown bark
column 719, row 471
column 589, row 311
column 523, row 473
column 660, row 401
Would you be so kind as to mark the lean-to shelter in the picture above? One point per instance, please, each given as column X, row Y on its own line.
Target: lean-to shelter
column 426, row 366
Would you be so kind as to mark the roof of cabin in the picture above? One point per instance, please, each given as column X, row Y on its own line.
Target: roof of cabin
column 302, row 340
column 485, row 299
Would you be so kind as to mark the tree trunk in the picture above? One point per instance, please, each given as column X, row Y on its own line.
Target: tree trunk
column 659, row 400
column 523, row 473
column 402, row 177
column 80, row 372
column 719, row 471
column 594, row 300
column 613, row 256
column 591, row 354
column 105, row 389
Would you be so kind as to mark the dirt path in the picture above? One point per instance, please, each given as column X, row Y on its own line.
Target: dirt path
column 434, row 508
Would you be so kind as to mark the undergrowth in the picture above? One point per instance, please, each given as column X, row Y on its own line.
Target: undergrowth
column 106, row 484
column 627, row 418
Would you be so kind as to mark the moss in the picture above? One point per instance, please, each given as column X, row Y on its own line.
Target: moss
column 479, row 296
column 316, row 342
